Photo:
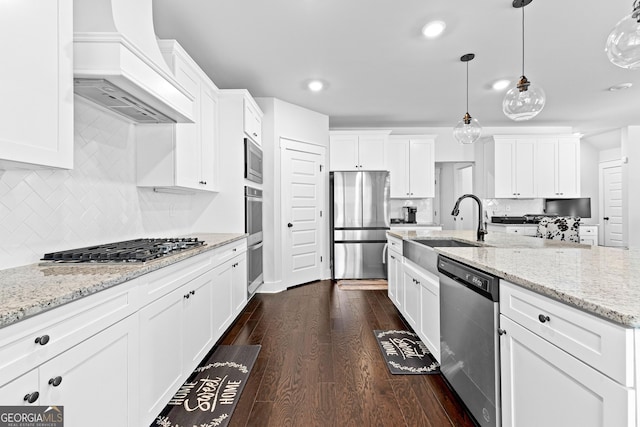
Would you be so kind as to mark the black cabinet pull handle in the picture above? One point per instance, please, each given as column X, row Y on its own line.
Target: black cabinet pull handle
column 55, row 381
column 606, row 218
column 186, row 296
column 43, row 340
column 542, row 318
column 32, row 397
column 192, row 292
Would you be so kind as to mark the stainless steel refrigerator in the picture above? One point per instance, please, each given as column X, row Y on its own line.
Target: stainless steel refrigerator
column 359, row 222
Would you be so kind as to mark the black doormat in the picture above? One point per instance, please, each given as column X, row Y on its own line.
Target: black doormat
column 405, row 353
column 209, row 396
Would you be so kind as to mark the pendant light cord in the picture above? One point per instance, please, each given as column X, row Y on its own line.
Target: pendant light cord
column 467, row 87
column 523, row 40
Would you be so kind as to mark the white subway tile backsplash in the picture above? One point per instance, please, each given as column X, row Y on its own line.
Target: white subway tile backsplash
column 96, row 202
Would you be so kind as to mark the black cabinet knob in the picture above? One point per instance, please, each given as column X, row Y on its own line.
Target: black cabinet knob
column 502, row 331
column 55, row 381
column 542, row 318
column 289, row 225
column 186, row 296
column 32, row 397
column 606, row 218
column 43, row 340
column 192, row 292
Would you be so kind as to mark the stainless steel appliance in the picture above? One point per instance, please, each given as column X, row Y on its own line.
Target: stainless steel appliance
column 409, row 214
column 469, row 338
column 359, row 221
column 252, row 161
column 253, row 227
column 137, row 250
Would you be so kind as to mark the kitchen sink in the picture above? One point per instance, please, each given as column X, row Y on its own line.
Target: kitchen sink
column 449, row 243
column 421, row 251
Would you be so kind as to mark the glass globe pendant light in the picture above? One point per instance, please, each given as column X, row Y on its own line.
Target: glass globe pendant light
column 526, row 100
column 623, row 43
column 468, row 130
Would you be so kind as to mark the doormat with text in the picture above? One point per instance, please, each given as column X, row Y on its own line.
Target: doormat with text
column 405, row 353
column 209, row 396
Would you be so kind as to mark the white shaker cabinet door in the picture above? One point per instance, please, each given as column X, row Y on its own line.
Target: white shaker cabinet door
column 97, row 379
column 37, row 83
column 545, row 386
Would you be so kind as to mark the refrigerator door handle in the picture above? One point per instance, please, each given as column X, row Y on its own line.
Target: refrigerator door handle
column 384, row 253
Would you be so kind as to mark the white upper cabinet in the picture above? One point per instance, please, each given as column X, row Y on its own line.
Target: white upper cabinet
column 410, row 160
column 252, row 121
column 354, row 151
column 558, row 167
column 182, row 156
column 514, row 161
column 532, row 167
column 36, row 129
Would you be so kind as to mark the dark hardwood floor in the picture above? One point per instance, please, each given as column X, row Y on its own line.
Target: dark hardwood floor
column 320, row 364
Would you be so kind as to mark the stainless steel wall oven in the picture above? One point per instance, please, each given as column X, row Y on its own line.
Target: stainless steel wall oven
column 253, row 227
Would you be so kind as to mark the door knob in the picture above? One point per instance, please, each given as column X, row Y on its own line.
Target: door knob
column 606, row 218
column 289, row 225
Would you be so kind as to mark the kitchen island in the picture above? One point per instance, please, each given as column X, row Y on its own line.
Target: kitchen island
column 569, row 325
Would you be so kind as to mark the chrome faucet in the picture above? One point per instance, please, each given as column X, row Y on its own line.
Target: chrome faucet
column 482, row 229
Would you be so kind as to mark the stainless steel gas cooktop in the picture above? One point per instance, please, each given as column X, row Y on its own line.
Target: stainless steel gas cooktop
column 138, row 250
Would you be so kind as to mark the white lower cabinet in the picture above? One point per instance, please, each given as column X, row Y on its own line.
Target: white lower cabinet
column 561, row 366
column 429, row 327
column 545, row 386
column 412, row 279
column 394, row 274
column 128, row 348
column 86, row 379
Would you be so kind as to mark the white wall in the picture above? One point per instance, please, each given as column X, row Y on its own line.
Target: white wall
column 630, row 178
column 285, row 120
column 97, row 202
column 589, row 181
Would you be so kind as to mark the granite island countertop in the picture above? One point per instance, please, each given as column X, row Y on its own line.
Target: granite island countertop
column 31, row 289
column 599, row 280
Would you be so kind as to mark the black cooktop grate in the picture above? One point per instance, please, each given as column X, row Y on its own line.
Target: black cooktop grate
column 137, row 250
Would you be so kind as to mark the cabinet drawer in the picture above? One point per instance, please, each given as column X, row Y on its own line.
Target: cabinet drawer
column 225, row 253
column 162, row 281
column 601, row 344
column 395, row 244
column 587, row 230
column 62, row 328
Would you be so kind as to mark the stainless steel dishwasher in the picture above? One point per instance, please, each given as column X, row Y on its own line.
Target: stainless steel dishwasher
column 469, row 338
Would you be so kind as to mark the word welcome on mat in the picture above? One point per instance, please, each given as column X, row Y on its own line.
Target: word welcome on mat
column 405, row 353
column 209, row 396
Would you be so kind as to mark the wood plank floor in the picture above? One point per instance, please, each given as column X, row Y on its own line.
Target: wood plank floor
column 320, row 364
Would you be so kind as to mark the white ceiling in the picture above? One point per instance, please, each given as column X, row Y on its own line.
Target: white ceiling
column 380, row 71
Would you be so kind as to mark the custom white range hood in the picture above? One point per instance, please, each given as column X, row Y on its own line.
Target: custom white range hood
column 117, row 62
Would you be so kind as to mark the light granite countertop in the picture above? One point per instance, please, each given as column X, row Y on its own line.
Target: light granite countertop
column 32, row 289
column 599, row 280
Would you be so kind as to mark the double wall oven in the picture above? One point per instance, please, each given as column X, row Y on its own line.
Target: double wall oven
column 253, row 227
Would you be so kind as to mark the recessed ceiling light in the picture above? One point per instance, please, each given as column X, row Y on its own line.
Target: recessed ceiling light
column 433, row 29
column 500, row 84
column 621, row 86
column 315, row 85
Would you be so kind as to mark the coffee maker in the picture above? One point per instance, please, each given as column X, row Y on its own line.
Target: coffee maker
column 409, row 214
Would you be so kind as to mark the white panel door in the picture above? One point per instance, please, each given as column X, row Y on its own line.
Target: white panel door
column 302, row 201
column 612, row 206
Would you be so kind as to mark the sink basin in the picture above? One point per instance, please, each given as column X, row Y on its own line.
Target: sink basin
column 440, row 243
